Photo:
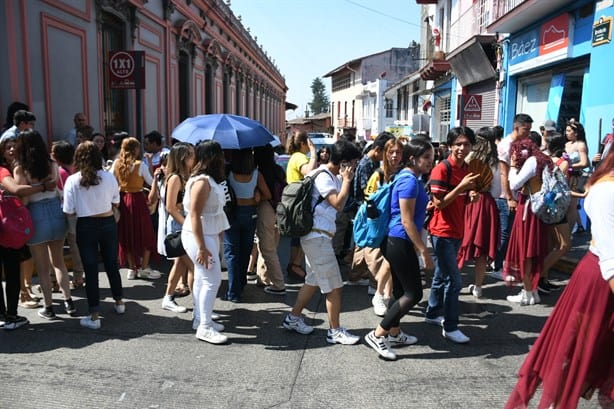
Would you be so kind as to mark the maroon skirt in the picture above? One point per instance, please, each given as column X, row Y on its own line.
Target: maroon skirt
column 528, row 239
column 482, row 230
column 135, row 228
column 574, row 353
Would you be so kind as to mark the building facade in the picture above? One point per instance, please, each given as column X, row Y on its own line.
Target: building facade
column 358, row 101
column 557, row 61
column 198, row 59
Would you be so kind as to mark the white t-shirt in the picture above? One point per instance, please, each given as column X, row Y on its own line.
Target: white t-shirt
column 598, row 206
column 324, row 214
column 92, row 200
column 503, row 152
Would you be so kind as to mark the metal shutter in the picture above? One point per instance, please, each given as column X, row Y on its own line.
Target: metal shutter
column 487, row 89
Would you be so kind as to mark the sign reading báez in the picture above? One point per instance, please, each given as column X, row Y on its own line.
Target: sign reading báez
column 602, row 31
column 473, row 108
column 127, row 69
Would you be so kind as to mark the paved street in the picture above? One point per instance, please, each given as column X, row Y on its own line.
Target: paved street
column 149, row 358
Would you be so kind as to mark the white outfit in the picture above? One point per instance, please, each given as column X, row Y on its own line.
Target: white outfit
column 214, row 221
column 93, row 200
column 10, row 133
column 598, row 206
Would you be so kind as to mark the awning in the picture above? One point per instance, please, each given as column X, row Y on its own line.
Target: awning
column 434, row 69
column 472, row 61
column 290, row 105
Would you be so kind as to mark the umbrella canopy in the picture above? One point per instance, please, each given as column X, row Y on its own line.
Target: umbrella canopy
column 230, row 131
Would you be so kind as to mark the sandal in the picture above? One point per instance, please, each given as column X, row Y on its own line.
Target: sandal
column 76, row 283
column 181, row 291
column 296, row 270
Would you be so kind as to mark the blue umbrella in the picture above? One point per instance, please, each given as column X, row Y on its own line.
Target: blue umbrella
column 231, row 131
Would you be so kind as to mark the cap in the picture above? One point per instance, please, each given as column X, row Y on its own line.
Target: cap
column 550, row 125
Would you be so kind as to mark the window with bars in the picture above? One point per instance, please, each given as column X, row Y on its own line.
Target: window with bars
column 444, row 117
column 483, row 15
column 341, row 82
column 388, row 107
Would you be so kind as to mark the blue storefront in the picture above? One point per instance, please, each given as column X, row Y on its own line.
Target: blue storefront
column 558, row 64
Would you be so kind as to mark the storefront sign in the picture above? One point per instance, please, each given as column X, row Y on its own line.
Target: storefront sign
column 127, row 69
column 602, row 31
column 473, row 108
column 542, row 45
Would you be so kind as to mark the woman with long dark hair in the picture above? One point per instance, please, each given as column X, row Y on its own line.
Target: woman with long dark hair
column 572, row 356
column 34, row 165
column 577, row 152
column 91, row 194
column 403, row 247
column 204, row 200
column 249, row 188
column 179, row 163
column 482, row 230
column 528, row 246
column 268, row 266
column 136, row 236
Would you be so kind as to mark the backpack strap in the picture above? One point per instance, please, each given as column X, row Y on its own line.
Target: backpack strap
column 448, row 166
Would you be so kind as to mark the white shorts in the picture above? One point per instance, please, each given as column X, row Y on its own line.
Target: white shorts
column 322, row 265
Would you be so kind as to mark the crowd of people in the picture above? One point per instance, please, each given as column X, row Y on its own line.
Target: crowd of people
column 202, row 205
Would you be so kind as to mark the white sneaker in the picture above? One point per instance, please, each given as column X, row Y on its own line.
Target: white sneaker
column 402, row 339
column 215, row 325
column 211, row 336
column 379, row 308
column 475, row 291
column 455, row 336
column 149, row 273
column 168, row 303
column 381, row 346
column 88, row 322
column 131, row 274
column 120, row 308
column 525, row 298
column 297, row 324
column 341, row 336
column 438, row 321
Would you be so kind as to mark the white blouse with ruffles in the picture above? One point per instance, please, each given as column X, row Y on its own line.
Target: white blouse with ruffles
column 598, row 206
column 213, row 218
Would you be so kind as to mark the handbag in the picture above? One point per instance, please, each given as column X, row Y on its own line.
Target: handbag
column 173, row 246
column 16, row 226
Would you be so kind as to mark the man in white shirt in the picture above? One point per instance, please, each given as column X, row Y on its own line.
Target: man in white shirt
column 506, row 202
column 329, row 196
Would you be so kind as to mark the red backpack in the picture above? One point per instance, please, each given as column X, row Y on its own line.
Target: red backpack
column 16, row 226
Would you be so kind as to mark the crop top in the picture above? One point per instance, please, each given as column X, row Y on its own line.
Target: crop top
column 243, row 190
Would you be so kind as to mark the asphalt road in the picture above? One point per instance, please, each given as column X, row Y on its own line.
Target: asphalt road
column 149, row 358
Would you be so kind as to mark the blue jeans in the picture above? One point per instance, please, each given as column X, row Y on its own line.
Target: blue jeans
column 447, row 282
column 238, row 243
column 506, row 219
column 93, row 232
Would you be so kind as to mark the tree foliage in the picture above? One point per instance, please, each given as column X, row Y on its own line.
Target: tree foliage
column 320, row 102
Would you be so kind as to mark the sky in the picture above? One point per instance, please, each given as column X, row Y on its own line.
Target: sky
column 309, row 38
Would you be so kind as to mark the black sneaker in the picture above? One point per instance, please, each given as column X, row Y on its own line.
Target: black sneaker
column 251, row 276
column 15, row 322
column 543, row 287
column 47, row 313
column 69, row 306
column 2, row 320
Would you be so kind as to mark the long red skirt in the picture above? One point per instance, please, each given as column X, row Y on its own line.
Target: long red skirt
column 528, row 239
column 135, row 228
column 574, row 354
column 482, row 230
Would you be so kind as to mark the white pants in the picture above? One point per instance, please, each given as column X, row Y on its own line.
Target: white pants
column 206, row 280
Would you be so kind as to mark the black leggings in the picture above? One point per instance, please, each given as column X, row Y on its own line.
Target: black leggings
column 9, row 262
column 406, row 280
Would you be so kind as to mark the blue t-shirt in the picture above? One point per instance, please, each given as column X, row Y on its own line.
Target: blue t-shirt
column 407, row 187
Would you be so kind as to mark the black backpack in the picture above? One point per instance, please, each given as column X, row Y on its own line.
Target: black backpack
column 294, row 211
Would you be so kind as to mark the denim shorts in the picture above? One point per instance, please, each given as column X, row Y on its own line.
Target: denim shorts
column 49, row 221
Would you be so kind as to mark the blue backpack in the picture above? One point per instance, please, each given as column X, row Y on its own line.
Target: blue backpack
column 373, row 216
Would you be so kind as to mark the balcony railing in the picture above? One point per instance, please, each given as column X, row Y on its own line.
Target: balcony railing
column 502, row 7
